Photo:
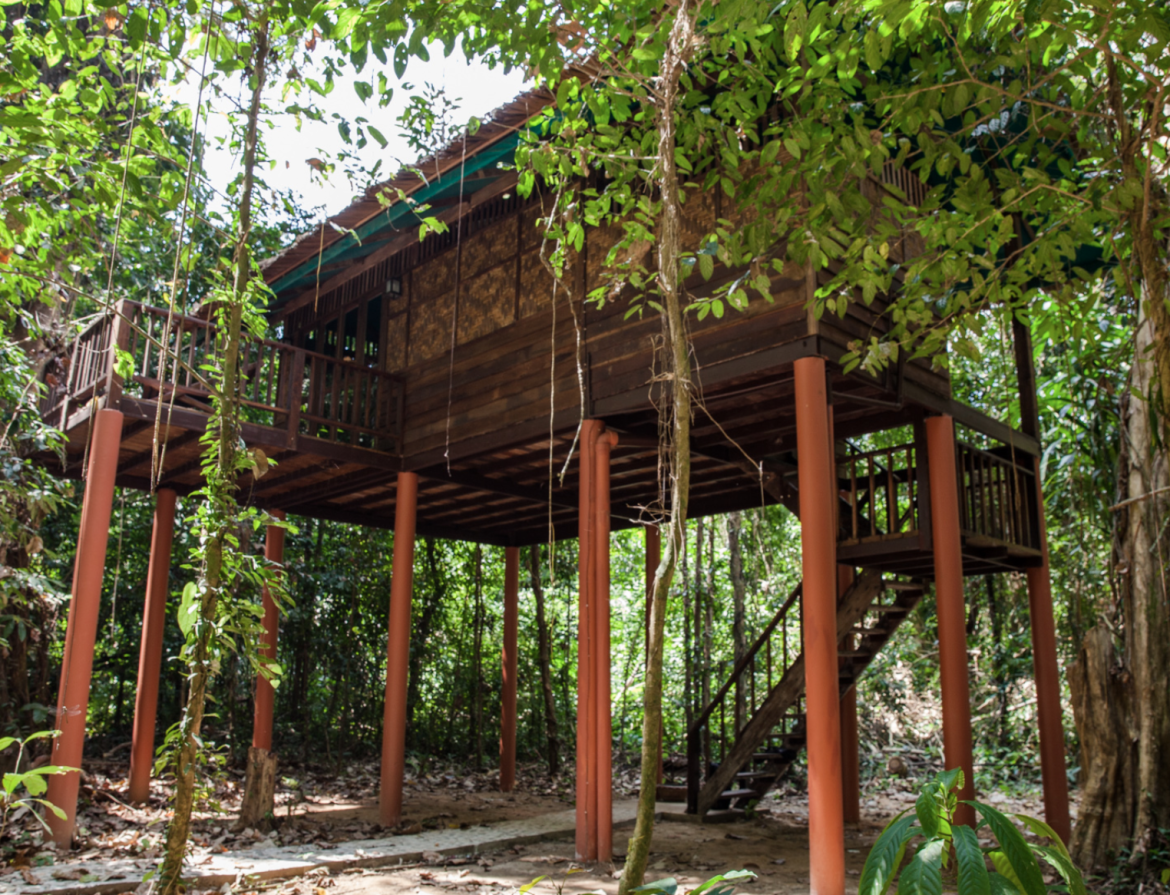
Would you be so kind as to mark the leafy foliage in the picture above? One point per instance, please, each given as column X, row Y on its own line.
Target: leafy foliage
column 1017, row 861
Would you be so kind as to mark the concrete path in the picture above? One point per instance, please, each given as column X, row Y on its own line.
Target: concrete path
column 208, row 871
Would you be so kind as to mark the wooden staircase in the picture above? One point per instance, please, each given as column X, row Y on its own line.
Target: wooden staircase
column 747, row 758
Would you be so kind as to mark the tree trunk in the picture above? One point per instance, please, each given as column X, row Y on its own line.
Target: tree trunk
column 477, row 659
column 422, row 630
column 739, row 598
column 544, row 660
column 221, row 482
column 678, row 369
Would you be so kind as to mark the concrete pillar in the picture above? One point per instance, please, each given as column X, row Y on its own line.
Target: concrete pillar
column 154, row 617
column 398, row 652
column 586, row 841
column 818, row 535
column 265, row 694
column 603, row 729
column 1046, row 670
column 952, row 616
column 508, row 661
column 850, row 759
column 81, row 630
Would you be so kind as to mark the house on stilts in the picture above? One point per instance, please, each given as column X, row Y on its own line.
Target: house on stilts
column 422, row 386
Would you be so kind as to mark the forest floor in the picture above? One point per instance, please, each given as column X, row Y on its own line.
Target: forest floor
column 320, row 810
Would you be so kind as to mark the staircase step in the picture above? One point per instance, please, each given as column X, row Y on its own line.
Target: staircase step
column 912, row 587
column 753, row 775
column 854, row 653
column 740, row 794
column 878, row 607
column 768, row 756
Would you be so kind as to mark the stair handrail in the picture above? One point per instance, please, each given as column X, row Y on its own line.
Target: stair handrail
column 744, row 661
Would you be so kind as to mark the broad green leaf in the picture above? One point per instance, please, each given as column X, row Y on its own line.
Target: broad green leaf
column 528, row 886
column 973, row 876
column 5, row 742
column 35, row 785
column 882, row 862
column 1065, row 867
column 1014, row 848
column 666, row 886
column 926, row 807
column 189, row 608
column 923, row 875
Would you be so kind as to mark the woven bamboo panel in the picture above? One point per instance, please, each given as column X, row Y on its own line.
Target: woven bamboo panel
column 487, row 302
column 435, row 276
column 430, row 327
column 536, row 286
column 396, row 342
column 487, row 248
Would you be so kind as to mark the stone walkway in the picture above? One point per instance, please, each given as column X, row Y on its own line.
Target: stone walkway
column 264, row 863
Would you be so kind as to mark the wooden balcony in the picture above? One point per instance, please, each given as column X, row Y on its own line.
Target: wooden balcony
column 293, row 399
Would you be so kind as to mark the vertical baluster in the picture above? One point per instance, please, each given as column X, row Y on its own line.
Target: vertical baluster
column 891, row 495
column 911, row 483
column 873, row 504
column 853, row 492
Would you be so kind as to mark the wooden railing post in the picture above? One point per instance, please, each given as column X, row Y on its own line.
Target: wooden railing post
column 119, row 340
column 296, row 389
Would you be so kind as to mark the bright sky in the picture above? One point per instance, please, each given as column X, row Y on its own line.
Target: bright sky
column 478, row 89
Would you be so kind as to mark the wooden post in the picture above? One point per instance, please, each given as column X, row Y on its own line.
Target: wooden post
column 603, row 730
column 586, row 843
column 653, row 558
column 508, row 661
column 948, row 587
column 1046, row 671
column 265, row 694
column 81, row 630
column 850, row 760
column 826, row 829
column 154, row 616
column 398, row 651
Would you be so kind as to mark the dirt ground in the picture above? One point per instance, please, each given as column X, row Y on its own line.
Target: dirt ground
column 323, row 808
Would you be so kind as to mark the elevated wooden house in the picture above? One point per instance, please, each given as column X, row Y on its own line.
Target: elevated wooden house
column 438, row 386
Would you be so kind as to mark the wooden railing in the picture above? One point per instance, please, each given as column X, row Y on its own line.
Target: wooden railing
column 709, row 738
column 882, row 492
column 299, row 391
column 998, row 497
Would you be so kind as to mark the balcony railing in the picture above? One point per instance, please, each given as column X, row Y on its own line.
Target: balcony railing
column 281, row 386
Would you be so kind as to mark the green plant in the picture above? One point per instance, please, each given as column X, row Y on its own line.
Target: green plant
column 1017, row 861
column 32, row 781
column 723, row 884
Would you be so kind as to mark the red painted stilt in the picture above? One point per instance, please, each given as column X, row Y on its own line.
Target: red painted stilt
column 154, row 617
column 952, row 617
column 826, row 830
column 265, row 694
column 398, row 652
column 508, row 660
column 586, row 841
column 81, row 630
column 603, row 729
column 1047, row 673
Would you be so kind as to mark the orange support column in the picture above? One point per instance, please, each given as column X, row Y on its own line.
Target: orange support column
column 508, row 660
column 850, row 760
column 653, row 559
column 265, row 694
column 948, row 588
column 154, row 617
column 1046, row 671
column 826, row 829
column 603, row 724
column 398, row 652
column 586, row 841
column 81, row 631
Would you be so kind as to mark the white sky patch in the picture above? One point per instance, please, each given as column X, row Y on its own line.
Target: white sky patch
column 477, row 88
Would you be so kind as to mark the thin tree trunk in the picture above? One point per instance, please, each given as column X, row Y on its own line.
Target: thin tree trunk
column 677, row 350
column 688, row 643
column 738, row 601
column 202, row 658
column 477, row 659
column 544, row 660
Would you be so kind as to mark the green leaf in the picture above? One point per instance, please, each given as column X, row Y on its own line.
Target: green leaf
column 973, row 876
column 667, row 886
column 794, row 31
column 11, row 782
column 35, row 785
column 5, row 742
column 1014, row 849
column 923, row 875
column 1065, row 867
column 1001, row 885
column 1040, row 828
column 926, row 807
column 189, row 608
column 886, row 855
column 528, row 886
